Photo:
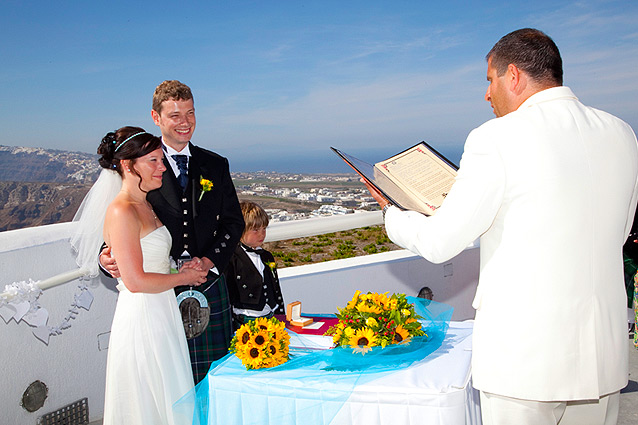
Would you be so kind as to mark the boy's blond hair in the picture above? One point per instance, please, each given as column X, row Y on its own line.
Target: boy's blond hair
column 254, row 216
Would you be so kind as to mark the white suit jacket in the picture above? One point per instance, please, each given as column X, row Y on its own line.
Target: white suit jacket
column 551, row 190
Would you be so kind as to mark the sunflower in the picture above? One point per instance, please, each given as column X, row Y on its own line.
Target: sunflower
column 272, row 350
column 285, row 340
column 379, row 299
column 277, row 330
column 352, row 303
column 366, row 308
column 283, row 351
column 260, row 338
column 349, row 332
column 262, row 323
column 364, row 337
column 243, row 334
column 271, row 362
column 240, row 350
column 392, row 303
column 277, row 354
column 253, row 358
column 401, row 335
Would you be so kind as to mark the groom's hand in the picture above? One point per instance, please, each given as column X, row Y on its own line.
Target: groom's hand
column 108, row 263
column 207, row 264
column 199, row 264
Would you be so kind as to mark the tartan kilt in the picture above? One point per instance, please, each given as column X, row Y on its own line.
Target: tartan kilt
column 214, row 342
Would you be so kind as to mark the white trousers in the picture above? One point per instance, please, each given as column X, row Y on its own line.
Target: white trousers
column 500, row 410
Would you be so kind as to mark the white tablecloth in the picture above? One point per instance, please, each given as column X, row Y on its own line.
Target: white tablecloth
column 434, row 391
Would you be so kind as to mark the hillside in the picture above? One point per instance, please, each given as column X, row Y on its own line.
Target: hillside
column 25, row 204
column 331, row 246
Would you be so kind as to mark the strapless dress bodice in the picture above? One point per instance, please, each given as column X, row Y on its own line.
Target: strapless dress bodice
column 156, row 247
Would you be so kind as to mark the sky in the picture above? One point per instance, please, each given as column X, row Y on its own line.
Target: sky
column 276, row 83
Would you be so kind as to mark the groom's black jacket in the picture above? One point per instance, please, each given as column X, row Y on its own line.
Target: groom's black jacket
column 212, row 226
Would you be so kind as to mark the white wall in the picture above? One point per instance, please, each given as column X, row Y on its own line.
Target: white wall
column 323, row 287
column 72, row 366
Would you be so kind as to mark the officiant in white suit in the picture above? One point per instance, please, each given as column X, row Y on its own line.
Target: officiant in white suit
column 550, row 187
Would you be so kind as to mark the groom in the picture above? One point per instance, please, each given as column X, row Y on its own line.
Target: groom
column 198, row 204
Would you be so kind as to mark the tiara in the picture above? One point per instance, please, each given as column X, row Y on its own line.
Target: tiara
column 129, row 138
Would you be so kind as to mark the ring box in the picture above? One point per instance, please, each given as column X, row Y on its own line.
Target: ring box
column 293, row 315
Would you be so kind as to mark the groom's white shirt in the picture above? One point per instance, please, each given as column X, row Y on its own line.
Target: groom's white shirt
column 169, row 152
column 551, row 190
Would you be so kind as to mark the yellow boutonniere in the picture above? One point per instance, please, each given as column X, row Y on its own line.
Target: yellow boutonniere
column 272, row 266
column 207, row 186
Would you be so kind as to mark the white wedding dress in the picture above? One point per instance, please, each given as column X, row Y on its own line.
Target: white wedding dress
column 148, row 367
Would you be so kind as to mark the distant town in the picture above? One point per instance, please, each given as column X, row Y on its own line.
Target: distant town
column 326, row 194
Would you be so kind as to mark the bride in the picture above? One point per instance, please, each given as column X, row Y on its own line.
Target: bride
column 148, row 366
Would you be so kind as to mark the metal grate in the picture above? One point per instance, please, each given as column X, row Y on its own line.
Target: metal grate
column 73, row 414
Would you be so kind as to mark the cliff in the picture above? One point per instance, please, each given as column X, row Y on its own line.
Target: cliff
column 42, row 186
column 27, row 204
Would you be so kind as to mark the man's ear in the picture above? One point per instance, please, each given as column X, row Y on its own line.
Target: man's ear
column 513, row 76
column 517, row 79
column 155, row 116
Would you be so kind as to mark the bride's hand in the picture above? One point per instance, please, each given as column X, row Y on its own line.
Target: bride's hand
column 194, row 276
column 194, row 263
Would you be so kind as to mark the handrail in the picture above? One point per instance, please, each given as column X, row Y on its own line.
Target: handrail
column 277, row 231
column 61, row 278
column 52, row 282
column 321, row 225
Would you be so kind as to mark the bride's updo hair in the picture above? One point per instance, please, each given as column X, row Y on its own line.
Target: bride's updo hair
column 126, row 143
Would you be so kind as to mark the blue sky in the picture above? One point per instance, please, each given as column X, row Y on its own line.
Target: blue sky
column 277, row 82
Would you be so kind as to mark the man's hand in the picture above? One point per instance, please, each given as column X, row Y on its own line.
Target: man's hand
column 375, row 193
column 199, row 264
column 108, row 263
column 207, row 264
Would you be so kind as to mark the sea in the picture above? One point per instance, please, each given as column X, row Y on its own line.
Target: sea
column 325, row 162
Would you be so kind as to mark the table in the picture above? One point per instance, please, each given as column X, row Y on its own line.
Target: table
column 436, row 390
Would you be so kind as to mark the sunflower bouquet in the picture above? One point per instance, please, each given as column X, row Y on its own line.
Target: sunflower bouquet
column 261, row 343
column 373, row 319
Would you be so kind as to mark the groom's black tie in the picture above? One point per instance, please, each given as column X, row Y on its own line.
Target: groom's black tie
column 182, row 165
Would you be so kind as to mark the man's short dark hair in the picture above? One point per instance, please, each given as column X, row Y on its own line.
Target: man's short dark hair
column 170, row 89
column 531, row 51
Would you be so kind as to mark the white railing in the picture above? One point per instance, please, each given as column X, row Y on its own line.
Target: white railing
column 318, row 226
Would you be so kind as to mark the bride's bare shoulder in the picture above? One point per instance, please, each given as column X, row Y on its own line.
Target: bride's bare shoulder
column 121, row 208
column 121, row 216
